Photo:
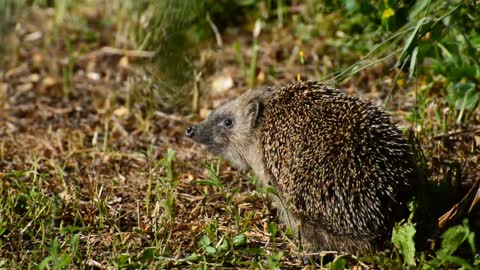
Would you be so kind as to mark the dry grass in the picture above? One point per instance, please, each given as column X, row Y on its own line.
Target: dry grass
column 85, row 171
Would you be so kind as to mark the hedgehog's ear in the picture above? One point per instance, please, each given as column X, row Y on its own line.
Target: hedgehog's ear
column 255, row 109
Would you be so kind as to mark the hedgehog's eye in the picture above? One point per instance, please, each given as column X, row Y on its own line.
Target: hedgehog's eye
column 228, row 122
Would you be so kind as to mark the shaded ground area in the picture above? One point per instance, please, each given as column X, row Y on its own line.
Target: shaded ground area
column 86, row 174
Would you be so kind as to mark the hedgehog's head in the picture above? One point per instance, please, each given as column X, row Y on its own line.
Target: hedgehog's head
column 229, row 130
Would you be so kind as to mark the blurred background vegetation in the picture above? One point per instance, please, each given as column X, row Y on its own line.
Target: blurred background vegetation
column 434, row 42
column 108, row 85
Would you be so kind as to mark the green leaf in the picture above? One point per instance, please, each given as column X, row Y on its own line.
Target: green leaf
column 44, row 263
column 121, row 260
column 69, row 229
column 213, row 179
column 2, row 230
column 411, row 41
column 239, row 240
column 191, row 258
column 455, row 260
column 463, row 95
column 210, row 250
column 471, row 242
column 273, row 229
column 223, row 246
column 232, row 194
column 148, row 253
column 413, row 63
column 245, row 2
column 351, row 5
column 453, row 238
column 62, row 261
column 75, row 241
column 272, row 190
column 169, row 163
column 339, row 263
column 420, row 6
column 274, row 260
column 434, row 263
column 204, row 242
column 207, row 182
column 402, row 238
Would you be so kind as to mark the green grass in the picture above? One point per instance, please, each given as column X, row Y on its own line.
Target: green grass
column 33, row 222
column 95, row 173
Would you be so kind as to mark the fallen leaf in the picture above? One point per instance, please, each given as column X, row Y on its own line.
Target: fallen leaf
column 124, row 63
column 48, row 82
column 33, row 36
column 37, row 59
column 22, row 69
column 24, row 87
column 94, row 76
column 34, row 77
column 221, row 84
column 121, row 111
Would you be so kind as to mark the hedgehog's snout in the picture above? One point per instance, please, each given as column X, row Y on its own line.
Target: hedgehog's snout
column 190, row 131
column 203, row 135
column 199, row 133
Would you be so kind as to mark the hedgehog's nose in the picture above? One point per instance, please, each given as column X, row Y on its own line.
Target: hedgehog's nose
column 190, row 131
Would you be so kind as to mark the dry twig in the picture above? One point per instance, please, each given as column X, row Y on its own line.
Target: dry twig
column 454, row 211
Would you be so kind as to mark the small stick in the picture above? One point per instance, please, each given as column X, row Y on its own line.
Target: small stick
column 321, row 253
column 115, row 51
column 359, row 262
column 218, row 37
column 450, row 214
column 458, row 132
column 476, row 199
column 170, row 116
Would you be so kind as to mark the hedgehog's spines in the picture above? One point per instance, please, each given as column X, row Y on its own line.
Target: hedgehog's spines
column 340, row 166
column 337, row 158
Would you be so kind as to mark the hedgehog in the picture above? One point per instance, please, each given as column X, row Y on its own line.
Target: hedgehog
column 342, row 171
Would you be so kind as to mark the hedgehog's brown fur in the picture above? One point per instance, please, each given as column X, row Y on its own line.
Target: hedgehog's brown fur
column 342, row 170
